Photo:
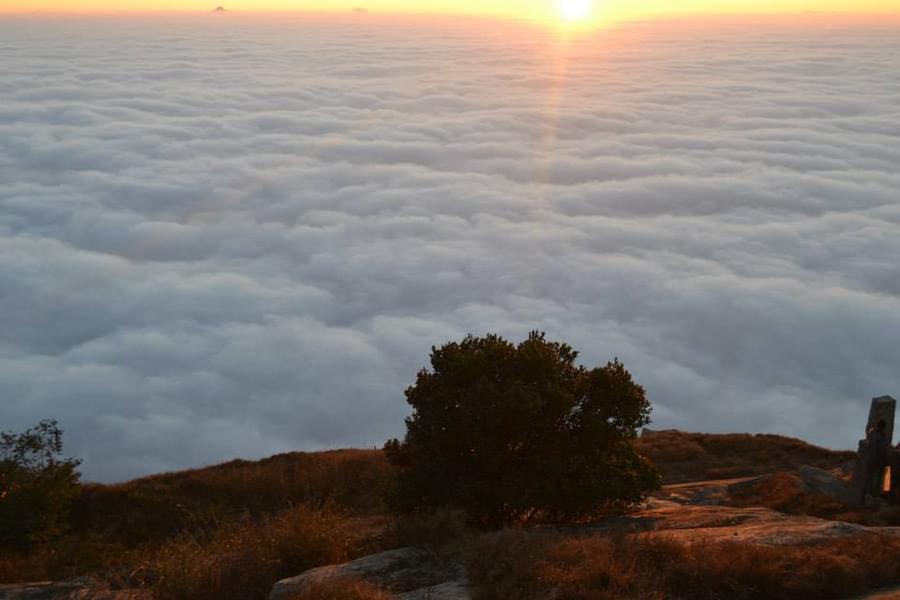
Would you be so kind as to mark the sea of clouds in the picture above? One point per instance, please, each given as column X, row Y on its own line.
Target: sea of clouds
column 227, row 236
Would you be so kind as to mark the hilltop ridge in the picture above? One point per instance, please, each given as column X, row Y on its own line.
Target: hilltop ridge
column 230, row 531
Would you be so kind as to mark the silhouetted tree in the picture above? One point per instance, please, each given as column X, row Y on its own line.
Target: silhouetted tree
column 37, row 486
column 511, row 433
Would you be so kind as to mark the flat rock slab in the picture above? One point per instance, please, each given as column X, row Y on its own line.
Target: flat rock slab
column 689, row 523
column 404, row 571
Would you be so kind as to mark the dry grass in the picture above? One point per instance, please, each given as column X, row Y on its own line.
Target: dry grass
column 343, row 589
column 684, row 456
column 231, row 530
column 157, row 507
column 516, row 564
column 243, row 561
column 121, row 529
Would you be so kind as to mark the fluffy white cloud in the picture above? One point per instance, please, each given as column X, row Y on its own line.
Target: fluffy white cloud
column 232, row 236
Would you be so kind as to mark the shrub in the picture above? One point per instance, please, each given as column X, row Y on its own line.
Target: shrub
column 37, row 487
column 509, row 433
column 243, row 561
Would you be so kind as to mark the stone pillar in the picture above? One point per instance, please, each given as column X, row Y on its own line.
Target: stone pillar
column 882, row 407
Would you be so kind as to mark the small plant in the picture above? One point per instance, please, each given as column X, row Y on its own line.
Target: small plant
column 510, row 433
column 37, row 486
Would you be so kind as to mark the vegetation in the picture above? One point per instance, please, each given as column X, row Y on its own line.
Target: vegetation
column 226, row 531
column 153, row 509
column 682, row 456
column 37, row 486
column 232, row 530
column 179, row 532
column 243, row 560
column 511, row 433
column 523, row 565
column 343, row 589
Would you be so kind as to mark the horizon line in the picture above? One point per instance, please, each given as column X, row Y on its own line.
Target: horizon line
column 807, row 15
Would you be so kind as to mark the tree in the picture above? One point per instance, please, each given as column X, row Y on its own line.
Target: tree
column 37, row 486
column 511, row 433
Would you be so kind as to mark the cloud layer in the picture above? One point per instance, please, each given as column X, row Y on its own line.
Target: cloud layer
column 232, row 237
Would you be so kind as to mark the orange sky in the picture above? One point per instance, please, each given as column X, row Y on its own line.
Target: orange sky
column 527, row 9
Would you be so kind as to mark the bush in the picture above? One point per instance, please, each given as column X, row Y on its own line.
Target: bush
column 37, row 487
column 510, row 433
column 243, row 561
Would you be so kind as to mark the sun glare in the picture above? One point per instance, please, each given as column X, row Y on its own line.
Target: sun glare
column 575, row 10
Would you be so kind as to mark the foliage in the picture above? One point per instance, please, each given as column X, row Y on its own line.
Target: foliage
column 442, row 531
column 517, row 432
column 529, row 566
column 37, row 486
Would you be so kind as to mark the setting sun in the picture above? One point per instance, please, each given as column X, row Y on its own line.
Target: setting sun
column 574, row 10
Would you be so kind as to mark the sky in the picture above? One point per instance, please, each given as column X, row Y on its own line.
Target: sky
column 226, row 236
column 542, row 10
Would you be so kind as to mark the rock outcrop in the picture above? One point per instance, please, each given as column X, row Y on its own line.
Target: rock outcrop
column 823, row 482
column 408, row 573
column 691, row 524
column 722, row 492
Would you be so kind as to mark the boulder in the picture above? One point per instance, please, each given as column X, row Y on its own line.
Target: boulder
column 823, row 482
column 407, row 572
column 812, row 479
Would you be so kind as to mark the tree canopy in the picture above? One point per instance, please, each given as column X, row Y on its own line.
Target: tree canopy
column 516, row 432
column 37, row 485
